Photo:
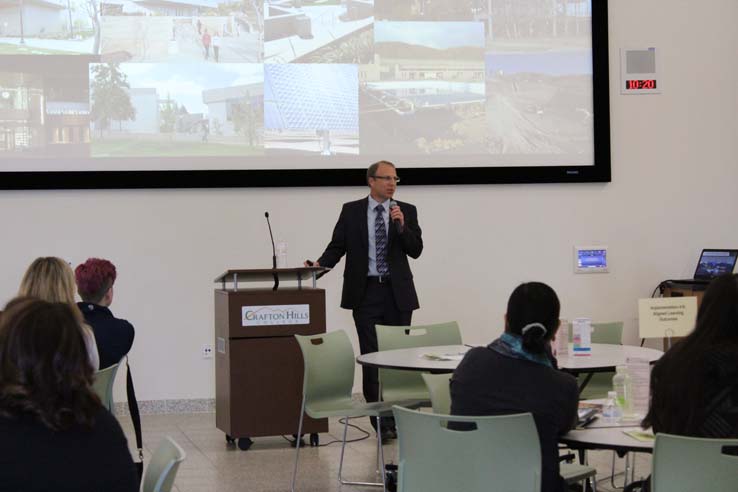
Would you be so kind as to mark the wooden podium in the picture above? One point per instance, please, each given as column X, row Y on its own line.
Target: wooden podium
column 258, row 364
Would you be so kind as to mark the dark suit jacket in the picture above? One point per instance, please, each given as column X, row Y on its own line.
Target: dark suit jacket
column 351, row 237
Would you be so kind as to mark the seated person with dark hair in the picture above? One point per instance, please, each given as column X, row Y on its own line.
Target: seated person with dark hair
column 694, row 386
column 516, row 374
column 95, row 279
column 55, row 433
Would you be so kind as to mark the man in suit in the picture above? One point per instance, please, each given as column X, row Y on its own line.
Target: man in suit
column 377, row 284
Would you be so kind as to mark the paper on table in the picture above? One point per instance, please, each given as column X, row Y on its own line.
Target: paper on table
column 444, row 357
column 640, row 435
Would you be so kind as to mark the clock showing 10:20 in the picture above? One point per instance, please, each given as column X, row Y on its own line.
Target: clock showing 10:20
column 640, row 84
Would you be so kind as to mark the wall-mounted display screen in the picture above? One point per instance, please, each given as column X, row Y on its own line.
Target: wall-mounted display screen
column 144, row 93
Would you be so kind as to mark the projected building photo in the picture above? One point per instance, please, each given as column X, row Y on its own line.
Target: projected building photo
column 311, row 109
column 539, row 80
column 141, row 109
column 49, row 27
column 425, row 90
column 430, row 10
column 318, row 31
column 44, row 112
column 182, row 31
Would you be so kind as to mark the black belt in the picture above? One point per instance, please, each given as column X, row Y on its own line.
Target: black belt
column 381, row 279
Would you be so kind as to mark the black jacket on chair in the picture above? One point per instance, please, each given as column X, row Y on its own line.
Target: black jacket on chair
column 489, row 383
column 351, row 237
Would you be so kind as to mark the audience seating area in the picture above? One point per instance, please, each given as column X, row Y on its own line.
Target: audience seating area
column 396, row 384
column 327, row 391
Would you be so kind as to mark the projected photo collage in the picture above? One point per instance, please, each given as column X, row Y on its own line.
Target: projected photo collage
column 130, row 78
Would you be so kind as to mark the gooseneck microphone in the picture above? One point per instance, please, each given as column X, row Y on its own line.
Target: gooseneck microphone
column 274, row 252
column 398, row 225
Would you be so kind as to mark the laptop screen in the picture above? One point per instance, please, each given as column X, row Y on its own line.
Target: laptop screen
column 715, row 262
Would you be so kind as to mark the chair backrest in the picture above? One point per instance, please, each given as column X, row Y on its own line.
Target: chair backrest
column 103, row 385
column 686, row 464
column 329, row 366
column 162, row 468
column 440, row 392
column 502, row 453
column 397, row 385
column 610, row 332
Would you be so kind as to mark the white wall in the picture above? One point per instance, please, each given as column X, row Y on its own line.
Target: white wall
column 673, row 192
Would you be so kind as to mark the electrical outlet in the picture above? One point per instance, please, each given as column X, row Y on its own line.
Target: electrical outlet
column 207, row 351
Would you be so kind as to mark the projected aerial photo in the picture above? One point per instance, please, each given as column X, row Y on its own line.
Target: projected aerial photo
column 318, row 31
column 182, row 31
column 311, row 109
column 49, row 27
column 539, row 81
column 425, row 91
column 145, row 109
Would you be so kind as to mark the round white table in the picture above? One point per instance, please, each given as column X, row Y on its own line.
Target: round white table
column 609, row 438
column 604, row 357
column 614, row 438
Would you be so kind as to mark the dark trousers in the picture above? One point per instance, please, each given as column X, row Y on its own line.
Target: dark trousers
column 377, row 308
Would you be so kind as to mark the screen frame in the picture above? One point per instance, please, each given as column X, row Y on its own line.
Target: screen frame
column 600, row 172
column 733, row 253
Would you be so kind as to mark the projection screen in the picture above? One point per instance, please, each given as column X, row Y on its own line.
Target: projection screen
column 211, row 93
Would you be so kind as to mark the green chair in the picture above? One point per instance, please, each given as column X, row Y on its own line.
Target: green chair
column 688, row 464
column 501, row 453
column 162, row 469
column 573, row 473
column 103, row 385
column 440, row 392
column 326, row 391
column 396, row 384
column 600, row 382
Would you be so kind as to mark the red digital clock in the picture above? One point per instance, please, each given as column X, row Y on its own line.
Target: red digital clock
column 640, row 84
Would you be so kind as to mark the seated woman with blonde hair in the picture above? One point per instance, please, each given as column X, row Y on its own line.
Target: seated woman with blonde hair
column 51, row 279
column 56, row 434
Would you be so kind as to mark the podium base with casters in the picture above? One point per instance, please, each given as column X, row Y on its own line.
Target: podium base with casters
column 258, row 364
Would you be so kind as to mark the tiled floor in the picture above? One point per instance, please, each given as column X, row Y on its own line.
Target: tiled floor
column 214, row 466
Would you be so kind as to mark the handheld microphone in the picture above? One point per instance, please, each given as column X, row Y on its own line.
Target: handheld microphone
column 274, row 252
column 398, row 225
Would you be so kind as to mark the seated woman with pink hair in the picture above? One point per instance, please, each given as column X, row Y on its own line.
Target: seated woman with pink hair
column 95, row 278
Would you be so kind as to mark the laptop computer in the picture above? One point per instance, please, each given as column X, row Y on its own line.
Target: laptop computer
column 712, row 263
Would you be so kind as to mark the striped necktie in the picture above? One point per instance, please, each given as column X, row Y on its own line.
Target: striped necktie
column 380, row 236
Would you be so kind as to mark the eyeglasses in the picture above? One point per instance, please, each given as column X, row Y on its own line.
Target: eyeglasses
column 388, row 178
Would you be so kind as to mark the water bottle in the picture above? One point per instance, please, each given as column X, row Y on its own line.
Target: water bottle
column 623, row 386
column 581, row 336
column 610, row 411
column 281, row 254
column 562, row 339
